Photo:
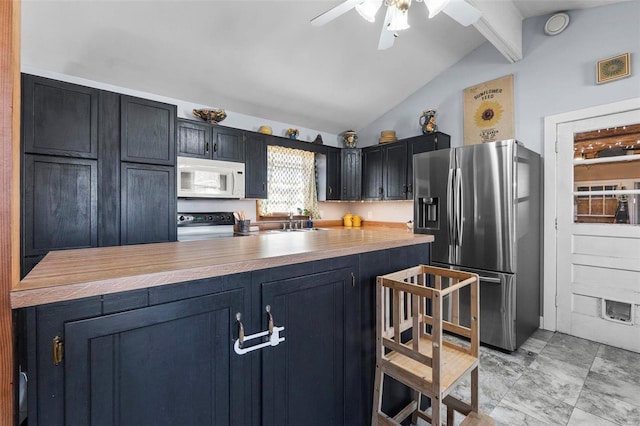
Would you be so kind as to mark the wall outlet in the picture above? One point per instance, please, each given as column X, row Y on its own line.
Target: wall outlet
column 369, row 215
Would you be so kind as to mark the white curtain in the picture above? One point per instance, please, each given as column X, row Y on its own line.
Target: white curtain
column 291, row 177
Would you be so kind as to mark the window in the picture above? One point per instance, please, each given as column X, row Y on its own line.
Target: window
column 606, row 175
column 291, row 177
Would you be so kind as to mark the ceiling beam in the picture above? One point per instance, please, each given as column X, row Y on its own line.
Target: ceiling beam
column 501, row 25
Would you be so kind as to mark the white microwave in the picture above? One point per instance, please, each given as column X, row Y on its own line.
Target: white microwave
column 200, row 178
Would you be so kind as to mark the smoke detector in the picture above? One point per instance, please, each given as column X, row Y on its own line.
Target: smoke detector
column 556, row 24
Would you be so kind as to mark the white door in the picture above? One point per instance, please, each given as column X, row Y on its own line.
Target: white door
column 598, row 264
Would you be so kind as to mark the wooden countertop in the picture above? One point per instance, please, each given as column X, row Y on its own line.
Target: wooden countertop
column 73, row 274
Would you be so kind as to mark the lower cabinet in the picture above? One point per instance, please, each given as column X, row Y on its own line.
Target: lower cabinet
column 168, row 364
column 165, row 355
column 307, row 379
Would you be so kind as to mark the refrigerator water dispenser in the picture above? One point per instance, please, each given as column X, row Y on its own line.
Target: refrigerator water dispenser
column 428, row 212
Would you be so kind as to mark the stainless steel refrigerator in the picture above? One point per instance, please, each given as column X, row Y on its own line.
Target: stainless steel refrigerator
column 483, row 205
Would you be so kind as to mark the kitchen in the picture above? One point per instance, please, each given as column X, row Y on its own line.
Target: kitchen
column 564, row 91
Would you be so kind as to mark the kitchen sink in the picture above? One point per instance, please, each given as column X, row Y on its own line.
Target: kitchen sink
column 281, row 231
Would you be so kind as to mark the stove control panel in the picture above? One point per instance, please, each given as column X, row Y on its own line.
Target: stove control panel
column 205, row 219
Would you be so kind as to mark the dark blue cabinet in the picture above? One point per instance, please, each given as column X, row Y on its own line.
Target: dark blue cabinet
column 308, row 378
column 168, row 364
column 164, row 355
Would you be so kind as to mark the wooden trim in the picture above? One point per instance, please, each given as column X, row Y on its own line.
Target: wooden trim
column 9, row 193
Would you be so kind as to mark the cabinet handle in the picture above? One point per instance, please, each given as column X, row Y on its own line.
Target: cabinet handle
column 215, row 147
column 58, row 350
column 353, row 280
column 268, row 309
column 240, row 328
column 380, row 190
column 330, row 190
column 207, row 148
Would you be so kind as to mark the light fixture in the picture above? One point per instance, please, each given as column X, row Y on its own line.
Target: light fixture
column 368, row 9
column 435, row 6
column 399, row 15
column 398, row 21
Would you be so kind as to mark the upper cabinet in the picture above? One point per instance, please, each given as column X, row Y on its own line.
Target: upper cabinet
column 147, row 131
column 387, row 169
column 194, row 139
column 228, row 144
column 59, row 118
column 213, row 142
column 384, row 172
column 351, row 174
column 424, row 143
column 255, row 168
column 334, row 170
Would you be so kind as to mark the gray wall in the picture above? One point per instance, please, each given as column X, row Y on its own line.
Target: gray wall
column 556, row 75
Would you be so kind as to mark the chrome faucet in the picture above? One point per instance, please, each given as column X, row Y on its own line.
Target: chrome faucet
column 290, row 220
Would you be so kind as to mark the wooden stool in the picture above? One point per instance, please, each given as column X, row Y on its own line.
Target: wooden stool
column 424, row 362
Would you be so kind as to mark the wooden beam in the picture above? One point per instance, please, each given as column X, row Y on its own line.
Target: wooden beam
column 501, row 25
column 9, row 193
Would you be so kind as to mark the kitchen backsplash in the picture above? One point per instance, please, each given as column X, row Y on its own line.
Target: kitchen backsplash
column 379, row 211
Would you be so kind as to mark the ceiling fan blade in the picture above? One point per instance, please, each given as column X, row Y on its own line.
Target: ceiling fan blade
column 462, row 12
column 332, row 14
column 386, row 37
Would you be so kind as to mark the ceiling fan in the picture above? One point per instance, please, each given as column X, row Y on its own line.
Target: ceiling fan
column 396, row 16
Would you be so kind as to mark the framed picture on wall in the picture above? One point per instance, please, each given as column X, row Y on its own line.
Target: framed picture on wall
column 613, row 68
column 488, row 111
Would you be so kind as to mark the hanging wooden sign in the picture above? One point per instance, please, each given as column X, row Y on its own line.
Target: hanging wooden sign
column 488, row 111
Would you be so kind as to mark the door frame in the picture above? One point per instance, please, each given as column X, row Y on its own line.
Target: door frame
column 550, row 158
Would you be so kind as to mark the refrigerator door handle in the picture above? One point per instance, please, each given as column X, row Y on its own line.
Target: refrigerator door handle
column 460, row 206
column 450, row 207
column 490, row 280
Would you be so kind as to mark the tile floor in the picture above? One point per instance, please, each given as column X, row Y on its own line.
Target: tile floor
column 557, row 379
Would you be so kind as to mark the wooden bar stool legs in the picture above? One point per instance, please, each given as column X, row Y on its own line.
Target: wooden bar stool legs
column 410, row 348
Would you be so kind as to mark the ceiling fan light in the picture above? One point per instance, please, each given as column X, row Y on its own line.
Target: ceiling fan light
column 399, row 20
column 368, row 9
column 435, row 6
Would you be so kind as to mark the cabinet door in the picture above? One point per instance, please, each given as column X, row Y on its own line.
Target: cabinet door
column 228, row 144
column 148, row 200
column 194, row 139
column 372, row 184
column 304, row 379
column 333, row 173
column 60, row 204
column 147, row 131
column 256, row 166
column 59, row 118
column 170, row 364
column 351, row 175
column 395, row 171
column 424, row 143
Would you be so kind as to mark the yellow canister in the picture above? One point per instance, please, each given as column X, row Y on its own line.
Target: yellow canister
column 347, row 219
column 356, row 220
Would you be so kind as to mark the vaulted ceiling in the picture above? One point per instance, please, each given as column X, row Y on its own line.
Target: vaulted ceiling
column 263, row 58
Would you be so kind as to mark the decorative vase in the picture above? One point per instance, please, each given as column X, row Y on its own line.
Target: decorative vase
column 292, row 133
column 428, row 121
column 350, row 139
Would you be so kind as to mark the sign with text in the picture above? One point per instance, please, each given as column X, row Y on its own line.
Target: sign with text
column 488, row 111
